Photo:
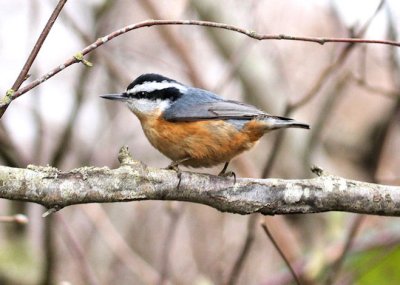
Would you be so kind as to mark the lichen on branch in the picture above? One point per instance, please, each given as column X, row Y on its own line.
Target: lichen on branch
column 134, row 181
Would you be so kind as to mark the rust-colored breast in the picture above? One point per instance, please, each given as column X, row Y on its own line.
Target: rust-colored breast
column 205, row 143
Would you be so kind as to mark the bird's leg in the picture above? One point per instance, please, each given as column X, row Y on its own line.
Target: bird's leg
column 174, row 165
column 223, row 172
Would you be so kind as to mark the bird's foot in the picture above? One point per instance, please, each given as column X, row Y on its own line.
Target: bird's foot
column 229, row 174
column 175, row 166
column 225, row 173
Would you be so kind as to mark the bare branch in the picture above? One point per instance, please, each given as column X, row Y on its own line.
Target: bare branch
column 131, row 260
column 76, row 249
column 338, row 263
column 78, row 57
column 18, row 218
column 271, row 238
column 244, row 253
column 32, row 56
column 315, row 89
column 134, row 181
column 175, row 213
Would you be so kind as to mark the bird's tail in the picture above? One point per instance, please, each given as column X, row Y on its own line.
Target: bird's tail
column 276, row 122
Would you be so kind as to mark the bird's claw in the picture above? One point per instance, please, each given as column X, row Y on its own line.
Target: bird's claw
column 228, row 174
column 224, row 173
column 175, row 166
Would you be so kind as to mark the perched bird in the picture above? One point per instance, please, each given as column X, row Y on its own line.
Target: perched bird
column 194, row 127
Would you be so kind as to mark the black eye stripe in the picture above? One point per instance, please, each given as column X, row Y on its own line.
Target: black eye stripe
column 170, row 93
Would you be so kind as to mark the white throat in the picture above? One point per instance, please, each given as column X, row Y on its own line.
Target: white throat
column 146, row 106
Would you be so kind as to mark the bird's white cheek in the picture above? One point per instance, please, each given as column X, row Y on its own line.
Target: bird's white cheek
column 138, row 106
column 145, row 106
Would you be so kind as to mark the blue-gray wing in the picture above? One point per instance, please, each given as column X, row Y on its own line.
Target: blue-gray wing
column 209, row 106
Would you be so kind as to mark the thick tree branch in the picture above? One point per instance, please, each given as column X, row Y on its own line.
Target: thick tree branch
column 134, row 181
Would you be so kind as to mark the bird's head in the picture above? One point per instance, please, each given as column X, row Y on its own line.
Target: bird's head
column 150, row 93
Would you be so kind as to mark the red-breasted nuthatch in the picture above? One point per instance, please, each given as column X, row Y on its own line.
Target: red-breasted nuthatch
column 195, row 127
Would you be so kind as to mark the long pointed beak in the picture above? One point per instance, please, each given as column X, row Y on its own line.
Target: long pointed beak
column 118, row 97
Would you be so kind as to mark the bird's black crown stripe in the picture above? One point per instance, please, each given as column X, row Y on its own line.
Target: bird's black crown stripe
column 149, row 77
column 170, row 93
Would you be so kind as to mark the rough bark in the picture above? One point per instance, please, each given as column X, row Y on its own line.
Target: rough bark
column 134, row 181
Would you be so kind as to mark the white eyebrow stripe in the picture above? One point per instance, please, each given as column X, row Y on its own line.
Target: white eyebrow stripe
column 152, row 86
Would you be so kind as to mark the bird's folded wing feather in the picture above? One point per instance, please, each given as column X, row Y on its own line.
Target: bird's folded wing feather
column 214, row 110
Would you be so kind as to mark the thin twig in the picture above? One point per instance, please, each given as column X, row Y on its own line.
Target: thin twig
column 141, row 269
column 314, row 90
column 66, row 134
column 149, row 23
column 175, row 213
column 8, row 150
column 19, row 219
column 337, row 265
column 81, row 260
column 380, row 240
column 36, row 48
column 238, row 265
column 328, row 71
column 269, row 235
column 374, row 89
column 235, row 61
column 394, row 70
column 177, row 44
column 324, row 112
column 104, row 55
column 50, row 252
column 276, row 146
column 38, row 45
column 64, row 141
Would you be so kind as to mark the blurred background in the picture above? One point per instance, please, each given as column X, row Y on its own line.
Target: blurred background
column 349, row 94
